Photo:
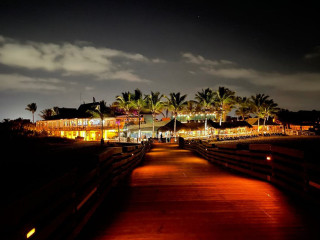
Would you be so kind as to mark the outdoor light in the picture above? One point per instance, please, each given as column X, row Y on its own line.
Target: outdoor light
column 132, row 154
column 30, row 233
column 269, row 158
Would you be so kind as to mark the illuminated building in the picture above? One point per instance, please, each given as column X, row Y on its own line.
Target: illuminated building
column 146, row 126
column 196, row 129
column 78, row 124
column 267, row 126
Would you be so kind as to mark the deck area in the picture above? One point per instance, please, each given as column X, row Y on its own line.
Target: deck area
column 175, row 194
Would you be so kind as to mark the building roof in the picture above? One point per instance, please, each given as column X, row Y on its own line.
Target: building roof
column 145, row 126
column 193, row 126
column 87, row 106
column 64, row 113
column 254, row 122
column 235, row 124
column 81, row 112
column 170, row 126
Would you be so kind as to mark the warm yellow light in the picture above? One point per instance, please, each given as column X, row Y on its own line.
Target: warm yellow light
column 31, row 232
column 268, row 158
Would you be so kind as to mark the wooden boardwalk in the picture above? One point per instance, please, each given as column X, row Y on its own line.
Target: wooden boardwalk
column 175, row 194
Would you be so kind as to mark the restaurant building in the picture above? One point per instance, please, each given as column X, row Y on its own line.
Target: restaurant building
column 79, row 124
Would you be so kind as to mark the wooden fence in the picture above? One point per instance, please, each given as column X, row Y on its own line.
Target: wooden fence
column 288, row 168
column 60, row 209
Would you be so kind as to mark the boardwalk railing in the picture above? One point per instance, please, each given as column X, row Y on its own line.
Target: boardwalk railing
column 285, row 167
column 61, row 208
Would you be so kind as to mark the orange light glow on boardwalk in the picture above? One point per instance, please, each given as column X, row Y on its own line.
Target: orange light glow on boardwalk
column 177, row 195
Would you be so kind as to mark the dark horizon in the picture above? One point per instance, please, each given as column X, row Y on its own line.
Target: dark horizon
column 58, row 53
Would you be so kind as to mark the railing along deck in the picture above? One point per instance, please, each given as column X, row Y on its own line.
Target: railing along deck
column 285, row 167
column 61, row 208
column 175, row 194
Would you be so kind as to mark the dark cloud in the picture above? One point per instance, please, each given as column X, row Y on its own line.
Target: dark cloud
column 51, row 52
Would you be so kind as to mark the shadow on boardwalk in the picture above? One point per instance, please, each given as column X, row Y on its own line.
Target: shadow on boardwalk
column 175, row 194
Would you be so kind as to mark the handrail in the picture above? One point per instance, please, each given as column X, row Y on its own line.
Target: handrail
column 285, row 167
column 62, row 207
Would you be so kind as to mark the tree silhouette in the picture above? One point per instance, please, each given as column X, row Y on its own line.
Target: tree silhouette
column 155, row 104
column 176, row 102
column 138, row 103
column 124, row 102
column 101, row 111
column 32, row 107
column 225, row 99
column 258, row 101
column 206, row 99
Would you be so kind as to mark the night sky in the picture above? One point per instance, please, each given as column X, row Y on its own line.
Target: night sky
column 63, row 53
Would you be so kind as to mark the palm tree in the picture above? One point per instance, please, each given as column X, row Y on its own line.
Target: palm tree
column 258, row 101
column 101, row 111
column 191, row 107
column 32, row 107
column 124, row 102
column 176, row 102
column 244, row 107
column 46, row 113
column 270, row 108
column 206, row 99
column 225, row 100
column 155, row 105
column 138, row 103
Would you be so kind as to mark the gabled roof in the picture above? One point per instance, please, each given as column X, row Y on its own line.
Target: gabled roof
column 87, row 106
column 254, row 122
column 194, row 126
column 65, row 113
column 81, row 112
column 235, row 124
column 170, row 126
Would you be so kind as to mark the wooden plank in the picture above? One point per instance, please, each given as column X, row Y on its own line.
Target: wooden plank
column 175, row 195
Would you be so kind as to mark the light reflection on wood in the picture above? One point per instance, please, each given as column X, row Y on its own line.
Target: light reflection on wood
column 175, row 194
